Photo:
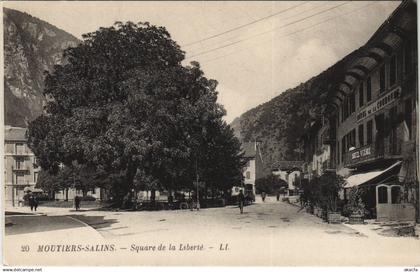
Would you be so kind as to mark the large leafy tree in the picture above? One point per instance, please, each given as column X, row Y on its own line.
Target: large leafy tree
column 124, row 105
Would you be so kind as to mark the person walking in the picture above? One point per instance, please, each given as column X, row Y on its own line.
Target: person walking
column 278, row 195
column 241, row 200
column 31, row 201
column 263, row 196
column 77, row 202
column 35, row 202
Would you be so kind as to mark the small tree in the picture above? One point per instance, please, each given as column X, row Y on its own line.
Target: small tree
column 355, row 204
column 330, row 186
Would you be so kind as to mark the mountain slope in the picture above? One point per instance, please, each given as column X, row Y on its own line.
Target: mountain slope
column 279, row 123
column 31, row 46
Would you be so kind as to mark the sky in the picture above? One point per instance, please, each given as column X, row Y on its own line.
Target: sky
column 255, row 50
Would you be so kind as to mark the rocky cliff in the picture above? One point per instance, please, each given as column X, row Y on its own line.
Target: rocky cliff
column 31, row 46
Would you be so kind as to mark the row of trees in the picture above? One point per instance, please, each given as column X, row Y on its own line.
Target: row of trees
column 271, row 184
column 123, row 113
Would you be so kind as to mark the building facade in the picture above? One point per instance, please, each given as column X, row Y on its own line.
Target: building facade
column 291, row 172
column 253, row 169
column 21, row 170
column 374, row 114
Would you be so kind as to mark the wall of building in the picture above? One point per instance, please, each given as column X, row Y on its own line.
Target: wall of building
column 20, row 171
column 405, row 86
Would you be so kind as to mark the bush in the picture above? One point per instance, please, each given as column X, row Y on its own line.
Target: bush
column 323, row 192
column 88, row 198
column 270, row 184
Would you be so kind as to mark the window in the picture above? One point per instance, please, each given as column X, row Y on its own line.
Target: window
column 20, row 163
column 20, row 178
column 393, row 70
column 35, row 177
column 248, row 174
column 382, row 79
column 361, row 95
column 407, row 58
column 353, row 138
column 369, row 130
column 361, row 135
column 408, row 116
column 382, row 194
column 352, row 103
column 343, row 148
column 338, row 152
column 395, row 194
column 368, row 89
column 19, row 148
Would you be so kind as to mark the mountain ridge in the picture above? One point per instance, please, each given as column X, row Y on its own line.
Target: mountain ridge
column 31, row 46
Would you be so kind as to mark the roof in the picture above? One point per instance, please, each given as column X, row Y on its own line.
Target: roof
column 15, row 134
column 362, row 178
column 249, row 149
column 288, row 165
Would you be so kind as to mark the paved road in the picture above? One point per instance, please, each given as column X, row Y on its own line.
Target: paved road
column 270, row 233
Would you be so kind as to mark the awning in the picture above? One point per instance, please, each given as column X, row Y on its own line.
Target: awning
column 359, row 179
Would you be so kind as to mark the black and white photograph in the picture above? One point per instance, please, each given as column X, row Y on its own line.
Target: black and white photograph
column 210, row 133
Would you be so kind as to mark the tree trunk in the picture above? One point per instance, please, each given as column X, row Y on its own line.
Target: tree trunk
column 67, row 194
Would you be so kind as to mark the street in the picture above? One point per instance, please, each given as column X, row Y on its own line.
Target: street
column 270, row 233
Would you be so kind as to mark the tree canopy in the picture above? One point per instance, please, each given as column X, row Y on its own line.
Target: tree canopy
column 124, row 105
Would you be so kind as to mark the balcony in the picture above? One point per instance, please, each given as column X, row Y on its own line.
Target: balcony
column 376, row 151
column 22, row 169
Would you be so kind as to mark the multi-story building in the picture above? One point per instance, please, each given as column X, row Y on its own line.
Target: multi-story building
column 316, row 148
column 254, row 167
column 374, row 116
column 21, row 170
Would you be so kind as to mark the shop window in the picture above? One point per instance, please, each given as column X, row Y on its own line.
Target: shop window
column 395, row 194
column 393, row 70
column 361, row 132
column 407, row 58
column 361, row 95
column 382, row 195
column 369, row 130
column 368, row 89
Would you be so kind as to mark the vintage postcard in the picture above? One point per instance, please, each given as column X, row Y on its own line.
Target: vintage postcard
column 220, row 133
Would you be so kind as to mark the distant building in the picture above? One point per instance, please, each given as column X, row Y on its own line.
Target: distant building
column 291, row 172
column 254, row 167
column 21, row 170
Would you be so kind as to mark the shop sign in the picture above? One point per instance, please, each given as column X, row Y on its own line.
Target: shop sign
column 357, row 154
column 379, row 104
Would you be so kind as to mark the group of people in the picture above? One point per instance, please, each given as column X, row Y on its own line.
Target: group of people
column 33, row 202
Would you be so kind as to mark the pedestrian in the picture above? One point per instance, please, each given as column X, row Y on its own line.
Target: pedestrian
column 77, row 202
column 35, row 202
column 241, row 200
column 31, row 201
column 278, row 195
column 263, row 196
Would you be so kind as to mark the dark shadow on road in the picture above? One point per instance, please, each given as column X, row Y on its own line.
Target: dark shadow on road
column 95, row 221
column 34, row 224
